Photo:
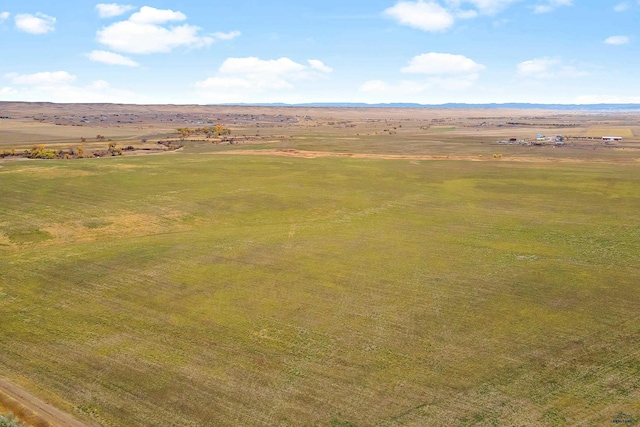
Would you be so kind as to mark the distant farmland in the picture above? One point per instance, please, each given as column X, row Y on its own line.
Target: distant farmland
column 204, row 288
column 598, row 132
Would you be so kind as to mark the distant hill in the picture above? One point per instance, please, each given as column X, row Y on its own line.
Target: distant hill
column 516, row 105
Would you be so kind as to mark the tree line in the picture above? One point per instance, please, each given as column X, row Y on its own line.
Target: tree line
column 207, row 131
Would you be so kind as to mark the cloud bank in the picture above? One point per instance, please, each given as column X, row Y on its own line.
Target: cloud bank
column 111, row 58
column 617, row 40
column 444, row 72
column 150, row 30
column 238, row 78
column 547, row 68
column 35, row 24
column 440, row 15
column 110, row 10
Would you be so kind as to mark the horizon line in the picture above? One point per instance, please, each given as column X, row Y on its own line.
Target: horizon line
column 513, row 104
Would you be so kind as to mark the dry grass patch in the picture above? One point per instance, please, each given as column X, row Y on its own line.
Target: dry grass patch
column 22, row 413
column 4, row 240
column 128, row 224
column 49, row 172
column 600, row 131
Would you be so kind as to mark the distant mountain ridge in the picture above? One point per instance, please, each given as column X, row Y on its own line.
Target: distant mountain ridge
column 514, row 105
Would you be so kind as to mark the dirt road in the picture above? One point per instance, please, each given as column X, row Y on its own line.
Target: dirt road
column 40, row 409
column 315, row 154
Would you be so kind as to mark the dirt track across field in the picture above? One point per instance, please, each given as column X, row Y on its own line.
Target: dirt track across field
column 315, row 154
column 41, row 410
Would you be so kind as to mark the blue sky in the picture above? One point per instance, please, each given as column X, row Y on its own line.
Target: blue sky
column 424, row 51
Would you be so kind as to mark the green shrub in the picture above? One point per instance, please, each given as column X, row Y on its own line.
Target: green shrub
column 9, row 420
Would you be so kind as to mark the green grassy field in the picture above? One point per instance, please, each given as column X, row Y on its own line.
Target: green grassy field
column 192, row 290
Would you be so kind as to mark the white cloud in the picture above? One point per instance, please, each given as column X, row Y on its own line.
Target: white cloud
column 423, row 16
column 319, row 65
column 444, row 72
column 551, row 5
column 466, row 14
column 374, row 86
column 442, row 63
column 559, row 3
column 35, row 24
column 110, row 10
column 100, row 85
column 621, row 7
column 454, row 83
column 412, row 88
column 257, row 67
column 542, row 8
column 226, row 36
column 58, row 86
column 131, row 37
column 143, row 33
column 501, row 22
column 485, row 7
column 111, row 58
column 4, row 16
column 617, row 40
column 44, row 78
column 547, row 68
column 151, row 15
column 439, row 15
column 539, row 68
column 275, row 73
column 240, row 78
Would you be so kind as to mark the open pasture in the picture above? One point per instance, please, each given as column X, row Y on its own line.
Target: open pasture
column 453, row 132
column 203, row 288
column 599, row 131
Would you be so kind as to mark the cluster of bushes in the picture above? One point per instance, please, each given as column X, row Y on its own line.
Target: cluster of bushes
column 113, row 150
column 41, row 152
column 9, row 420
column 170, row 145
column 208, row 131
